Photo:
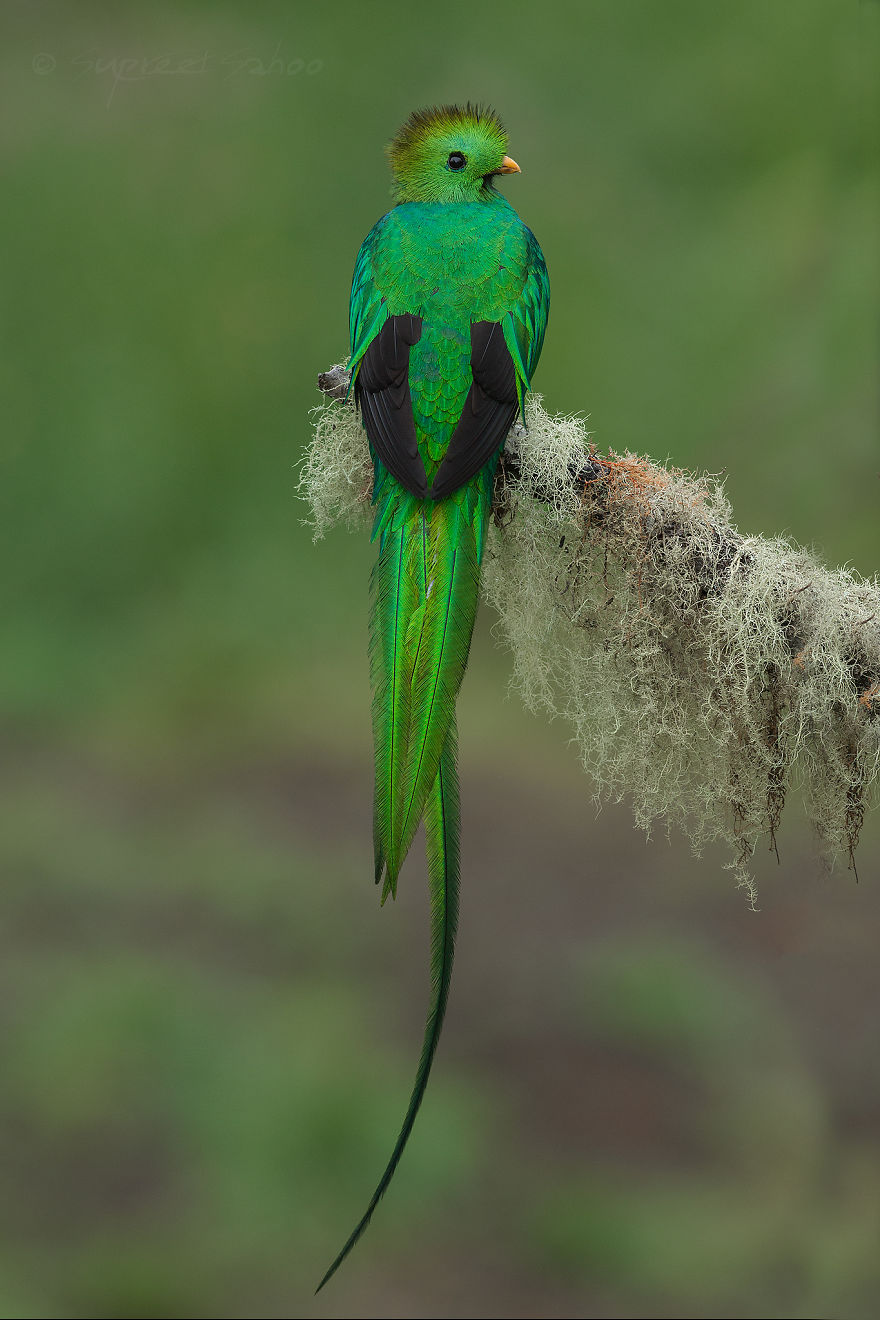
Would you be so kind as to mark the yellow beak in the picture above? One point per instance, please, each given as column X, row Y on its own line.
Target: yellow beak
column 508, row 166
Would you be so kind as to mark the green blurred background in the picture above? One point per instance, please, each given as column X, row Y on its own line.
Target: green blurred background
column 648, row 1100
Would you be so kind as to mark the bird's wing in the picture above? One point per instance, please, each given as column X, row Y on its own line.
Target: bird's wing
column 380, row 347
column 382, row 393
column 524, row 324
column 367, row 311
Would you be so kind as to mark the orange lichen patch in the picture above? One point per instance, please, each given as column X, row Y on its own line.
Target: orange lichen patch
column 798, row 660
column 871, row 697
column 637, row 482
column 630, row 477
column 642, row 474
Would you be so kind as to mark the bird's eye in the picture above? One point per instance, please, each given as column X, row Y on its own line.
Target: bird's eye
column 456, row 161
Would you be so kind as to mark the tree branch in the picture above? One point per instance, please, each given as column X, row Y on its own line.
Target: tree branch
column 704, row 671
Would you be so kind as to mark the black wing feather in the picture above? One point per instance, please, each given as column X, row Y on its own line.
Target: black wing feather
column 381, row 389
column 488, row 413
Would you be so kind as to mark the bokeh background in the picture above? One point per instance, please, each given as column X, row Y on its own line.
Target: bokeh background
column 648, row 1100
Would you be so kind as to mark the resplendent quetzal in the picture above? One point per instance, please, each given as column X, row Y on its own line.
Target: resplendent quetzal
column 449, row 305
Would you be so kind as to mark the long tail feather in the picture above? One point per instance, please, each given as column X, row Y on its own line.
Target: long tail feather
column 452, row 589
column 442, row 824
column 396, row 589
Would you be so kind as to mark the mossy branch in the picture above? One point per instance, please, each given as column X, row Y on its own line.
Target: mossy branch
column 704, row 672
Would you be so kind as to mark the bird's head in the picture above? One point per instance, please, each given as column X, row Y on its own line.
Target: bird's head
column 449, row 153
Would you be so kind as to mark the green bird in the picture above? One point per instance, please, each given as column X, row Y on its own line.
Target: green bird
column 449, row 304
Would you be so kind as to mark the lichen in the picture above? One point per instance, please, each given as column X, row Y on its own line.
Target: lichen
column 336, row 474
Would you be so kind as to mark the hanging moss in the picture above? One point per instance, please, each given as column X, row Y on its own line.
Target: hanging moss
column 703, row 672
